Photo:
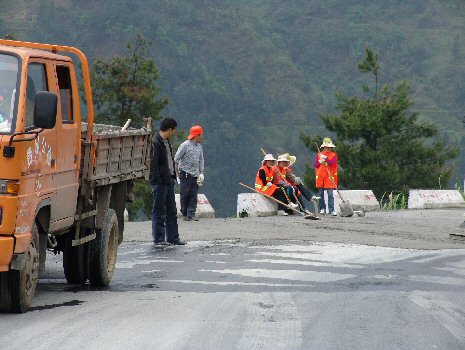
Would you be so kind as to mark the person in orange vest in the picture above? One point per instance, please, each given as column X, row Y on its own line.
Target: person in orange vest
column 265, row 183
column 325, row 164
column 296, row 181
column 283, row 175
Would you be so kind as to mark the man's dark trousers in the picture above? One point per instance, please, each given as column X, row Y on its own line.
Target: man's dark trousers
column 164, row 219
column 189, row 190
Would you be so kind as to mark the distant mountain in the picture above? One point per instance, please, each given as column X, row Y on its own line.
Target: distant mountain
column 254, row 73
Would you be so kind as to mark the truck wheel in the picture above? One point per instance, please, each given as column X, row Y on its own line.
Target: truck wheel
column 17, row 288
column 75, row 261
column 103, row 251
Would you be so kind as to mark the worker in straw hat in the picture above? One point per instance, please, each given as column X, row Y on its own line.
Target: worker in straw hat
column 326, row 174
column 265, row 183
column 294, row 180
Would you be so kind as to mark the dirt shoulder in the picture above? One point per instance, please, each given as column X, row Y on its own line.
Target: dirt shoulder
column 411, row 229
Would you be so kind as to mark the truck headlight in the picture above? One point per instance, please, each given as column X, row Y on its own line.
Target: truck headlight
column 9, row 187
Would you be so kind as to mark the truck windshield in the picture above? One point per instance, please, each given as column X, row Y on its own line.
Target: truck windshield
column 8, row 80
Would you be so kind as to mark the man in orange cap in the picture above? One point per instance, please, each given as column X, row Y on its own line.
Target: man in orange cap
column 190, row 166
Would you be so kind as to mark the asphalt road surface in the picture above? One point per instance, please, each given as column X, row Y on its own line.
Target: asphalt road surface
column 279, row 283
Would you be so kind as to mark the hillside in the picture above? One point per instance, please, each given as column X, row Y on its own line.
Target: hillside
column 255, row 73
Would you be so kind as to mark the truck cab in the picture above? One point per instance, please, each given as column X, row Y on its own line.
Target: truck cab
column 39, row 165
column 56, row 180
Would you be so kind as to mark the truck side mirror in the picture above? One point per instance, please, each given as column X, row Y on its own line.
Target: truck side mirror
column 45, row 110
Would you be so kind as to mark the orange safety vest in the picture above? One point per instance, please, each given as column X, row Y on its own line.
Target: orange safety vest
column 280, row 174
column 322, row 176
column 262, row 187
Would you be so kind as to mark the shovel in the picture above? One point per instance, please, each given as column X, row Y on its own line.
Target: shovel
column 345, row 207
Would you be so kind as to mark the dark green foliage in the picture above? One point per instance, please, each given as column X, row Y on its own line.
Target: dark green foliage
column 383, row 145
column 370, row 64
column 125, row 87
column 141, row 208
column 253, row 73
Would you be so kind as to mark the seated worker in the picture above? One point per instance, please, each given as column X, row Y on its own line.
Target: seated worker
column 264, row 183
column 297, row 181
column 281, row 170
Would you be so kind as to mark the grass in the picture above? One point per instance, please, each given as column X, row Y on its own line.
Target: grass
column 393, row 201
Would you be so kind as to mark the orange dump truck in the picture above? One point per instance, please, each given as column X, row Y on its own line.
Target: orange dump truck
column 63, row 183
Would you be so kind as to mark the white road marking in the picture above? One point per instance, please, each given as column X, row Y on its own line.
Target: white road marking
column 150, row 271
column 307, row 257
column 132, row 263
column 356, row 254
column 445, row 312
column 236, row 283
column 438, row 280
column 272, row 322
column 294, row 275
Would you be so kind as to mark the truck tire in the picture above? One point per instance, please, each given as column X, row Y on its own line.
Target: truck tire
column 17, row 288
column 103, row 251
column 76, row 261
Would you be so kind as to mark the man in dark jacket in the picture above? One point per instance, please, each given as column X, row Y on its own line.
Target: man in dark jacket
column 162, row 178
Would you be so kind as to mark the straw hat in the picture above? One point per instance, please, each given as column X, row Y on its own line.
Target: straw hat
column 286, row 157
column 327, row 142
column 269, row 156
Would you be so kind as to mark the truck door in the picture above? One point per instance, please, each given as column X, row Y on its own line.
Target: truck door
column 68, row 146
column 42, row 151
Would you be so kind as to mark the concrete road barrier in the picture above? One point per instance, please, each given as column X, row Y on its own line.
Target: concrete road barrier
column 429, row 199
column 204, row 208
column 359, row 199
column 254, row 205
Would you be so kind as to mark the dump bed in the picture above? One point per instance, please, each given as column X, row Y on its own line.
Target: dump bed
column 119, row 155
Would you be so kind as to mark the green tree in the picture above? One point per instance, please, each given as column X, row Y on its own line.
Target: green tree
column 380, row 142
column 125, row 87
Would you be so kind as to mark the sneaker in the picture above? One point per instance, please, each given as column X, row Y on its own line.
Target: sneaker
column 294, row 206
column 162, row 243
column 185, row 218
column 322, row 211
column 307, row 212
column 282, row 213
column 192, row 218
column 316, row 198
column 334, row 213
column 178, row 242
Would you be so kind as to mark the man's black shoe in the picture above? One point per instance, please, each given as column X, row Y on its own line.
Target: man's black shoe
column 178, row 242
